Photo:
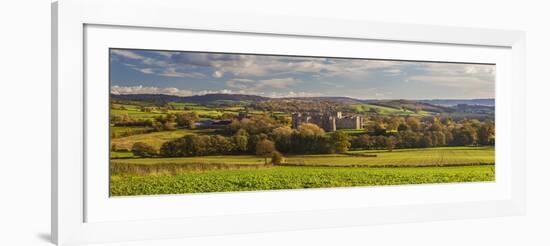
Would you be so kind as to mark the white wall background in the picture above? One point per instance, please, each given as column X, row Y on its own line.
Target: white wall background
column 25, row 122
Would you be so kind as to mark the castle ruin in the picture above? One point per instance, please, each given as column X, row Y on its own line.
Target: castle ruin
column 328, row 121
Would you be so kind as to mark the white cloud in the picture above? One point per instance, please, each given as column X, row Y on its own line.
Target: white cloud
column 140, row 89
column 164, row 53
column 278, row 83
column 294, row 94
column 127, row 54
column 118, row 90
column 128, row 90
column 281, row 76
column 253, row 85
column 393, row 71
column 145, row 70
column 246, row 66
column 178, row 64
column 455, row 75
column 173, row 72
column 239, row 83
column 217, row 74
column 155, row 66
column 464, row 82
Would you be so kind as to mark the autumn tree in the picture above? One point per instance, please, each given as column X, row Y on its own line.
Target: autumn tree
column 265, row 148
column 282, row 138
column 414, row 123
column 186, row 119
column 309, row 138
column 340, row 142
column 240, row 140
column 486, row 134
column 364, row 142
column 390, row 143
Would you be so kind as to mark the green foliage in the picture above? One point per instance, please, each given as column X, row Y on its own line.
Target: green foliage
column 155, row 139
column 486, row 134
column 197, row 145
column 340, row 142
column 312, row 130
column 413, row 123
column 362, row 142
column 187, row 119
column 240, row 140
column 282, row 137
column 277, row 158
column 125, row 131
column 283, row 177
column 121, row 154
column 143, row 150
column 256, row 124
column 390, row 143
column 309, row 138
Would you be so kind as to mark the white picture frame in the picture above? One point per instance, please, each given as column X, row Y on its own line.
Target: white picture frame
column 83, row 214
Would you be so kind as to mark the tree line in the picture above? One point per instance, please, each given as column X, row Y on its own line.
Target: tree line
column 165, row 122
column 265, row 136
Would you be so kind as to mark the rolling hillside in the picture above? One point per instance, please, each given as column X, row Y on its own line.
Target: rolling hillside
column 435, row 106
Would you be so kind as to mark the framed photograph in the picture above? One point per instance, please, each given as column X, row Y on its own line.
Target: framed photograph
column 168, row 125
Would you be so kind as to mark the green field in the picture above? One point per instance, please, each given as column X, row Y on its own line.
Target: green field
column 204, row 112
column 247, row 172
column 135, row 113
column 282, row 177
column 124, row 131
column 387, row 110
column 443, row 156
column 155, row 139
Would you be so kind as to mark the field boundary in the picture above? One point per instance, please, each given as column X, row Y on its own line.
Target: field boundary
column 121, row 168
column 386, row 165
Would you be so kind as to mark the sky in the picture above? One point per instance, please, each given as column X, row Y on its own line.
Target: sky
column 196, row 73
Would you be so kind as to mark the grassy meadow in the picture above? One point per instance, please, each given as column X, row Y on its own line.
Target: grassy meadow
column 443, row 156
column 155, row 139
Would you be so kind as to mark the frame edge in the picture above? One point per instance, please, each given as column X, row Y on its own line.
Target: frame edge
column 66, row 227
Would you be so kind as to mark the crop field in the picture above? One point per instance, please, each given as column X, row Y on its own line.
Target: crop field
column 407, row 166
column 283, row 177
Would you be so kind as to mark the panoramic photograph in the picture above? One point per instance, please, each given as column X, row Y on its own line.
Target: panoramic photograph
column 185, row 122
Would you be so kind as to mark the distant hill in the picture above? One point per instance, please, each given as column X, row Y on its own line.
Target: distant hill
column 454, row 102
column 343, row 100
column 198, row 99
column 412, row 105
column 430, row 105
